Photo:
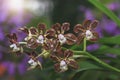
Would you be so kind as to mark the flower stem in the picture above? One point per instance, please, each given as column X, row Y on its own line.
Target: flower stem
column 43, row 52
column 23, row 43
column 78, row 52
column 101, row 62
column 84, row 45
column 93, row 57
column 80, row 56
column 82, row 52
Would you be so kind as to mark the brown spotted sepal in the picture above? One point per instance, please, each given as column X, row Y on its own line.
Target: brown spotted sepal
column 64, row 61
column 30, row 32
column 33, row 61
column 15, row 46
column 37, row 36
column 31, row 37
column 50, row 33
column 32, row 43
column 86, row 30
column 63, row 38
column 52, row 45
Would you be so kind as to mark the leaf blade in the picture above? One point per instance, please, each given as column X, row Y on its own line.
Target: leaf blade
column 104, row 9
column 110, row 40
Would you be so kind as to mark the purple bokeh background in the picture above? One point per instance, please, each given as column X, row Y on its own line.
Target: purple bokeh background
column 9, row 23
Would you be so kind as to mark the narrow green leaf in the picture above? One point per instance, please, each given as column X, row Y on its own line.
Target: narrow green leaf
column 102, row 63
column 110, row 40
column 86, row 65
column 88, row 75
column 107, row 49
column 104, row 9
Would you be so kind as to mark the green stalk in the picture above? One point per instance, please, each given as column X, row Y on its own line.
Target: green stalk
column 43, row 52
column 80, row 56
column 82, row 52
column 95, row 58
column 88, row 55
column 103, row 63
column 84, row 45
column 78, row 52
column 105, row 10
column 23, row 43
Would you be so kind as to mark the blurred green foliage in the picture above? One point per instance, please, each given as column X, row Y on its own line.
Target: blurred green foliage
column 68, row 11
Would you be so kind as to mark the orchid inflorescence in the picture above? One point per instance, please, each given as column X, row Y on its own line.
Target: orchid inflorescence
column 51, row 41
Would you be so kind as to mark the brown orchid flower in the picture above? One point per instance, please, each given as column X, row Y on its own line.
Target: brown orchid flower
column 64, row 61
column 32, row 34
column 37, row 36
column 86, row 30
column 16, row 48
column 68, row 38
column 33, row 61
column 52, row 45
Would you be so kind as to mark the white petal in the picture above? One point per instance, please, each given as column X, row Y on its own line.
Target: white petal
column 15, row 47
column 26, row 38
column 40, row 39
column 89, row 35
column 32, row 62
column 63, row 66
column 61, row 38
column 12, row 45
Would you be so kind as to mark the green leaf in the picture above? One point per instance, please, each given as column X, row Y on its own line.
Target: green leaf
column 89, row 75
column 102, row 63
column 35, row 21
column 110, row 40
column 104, row 9
column 87, row 65
column 84, row 66
column 106, row 49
